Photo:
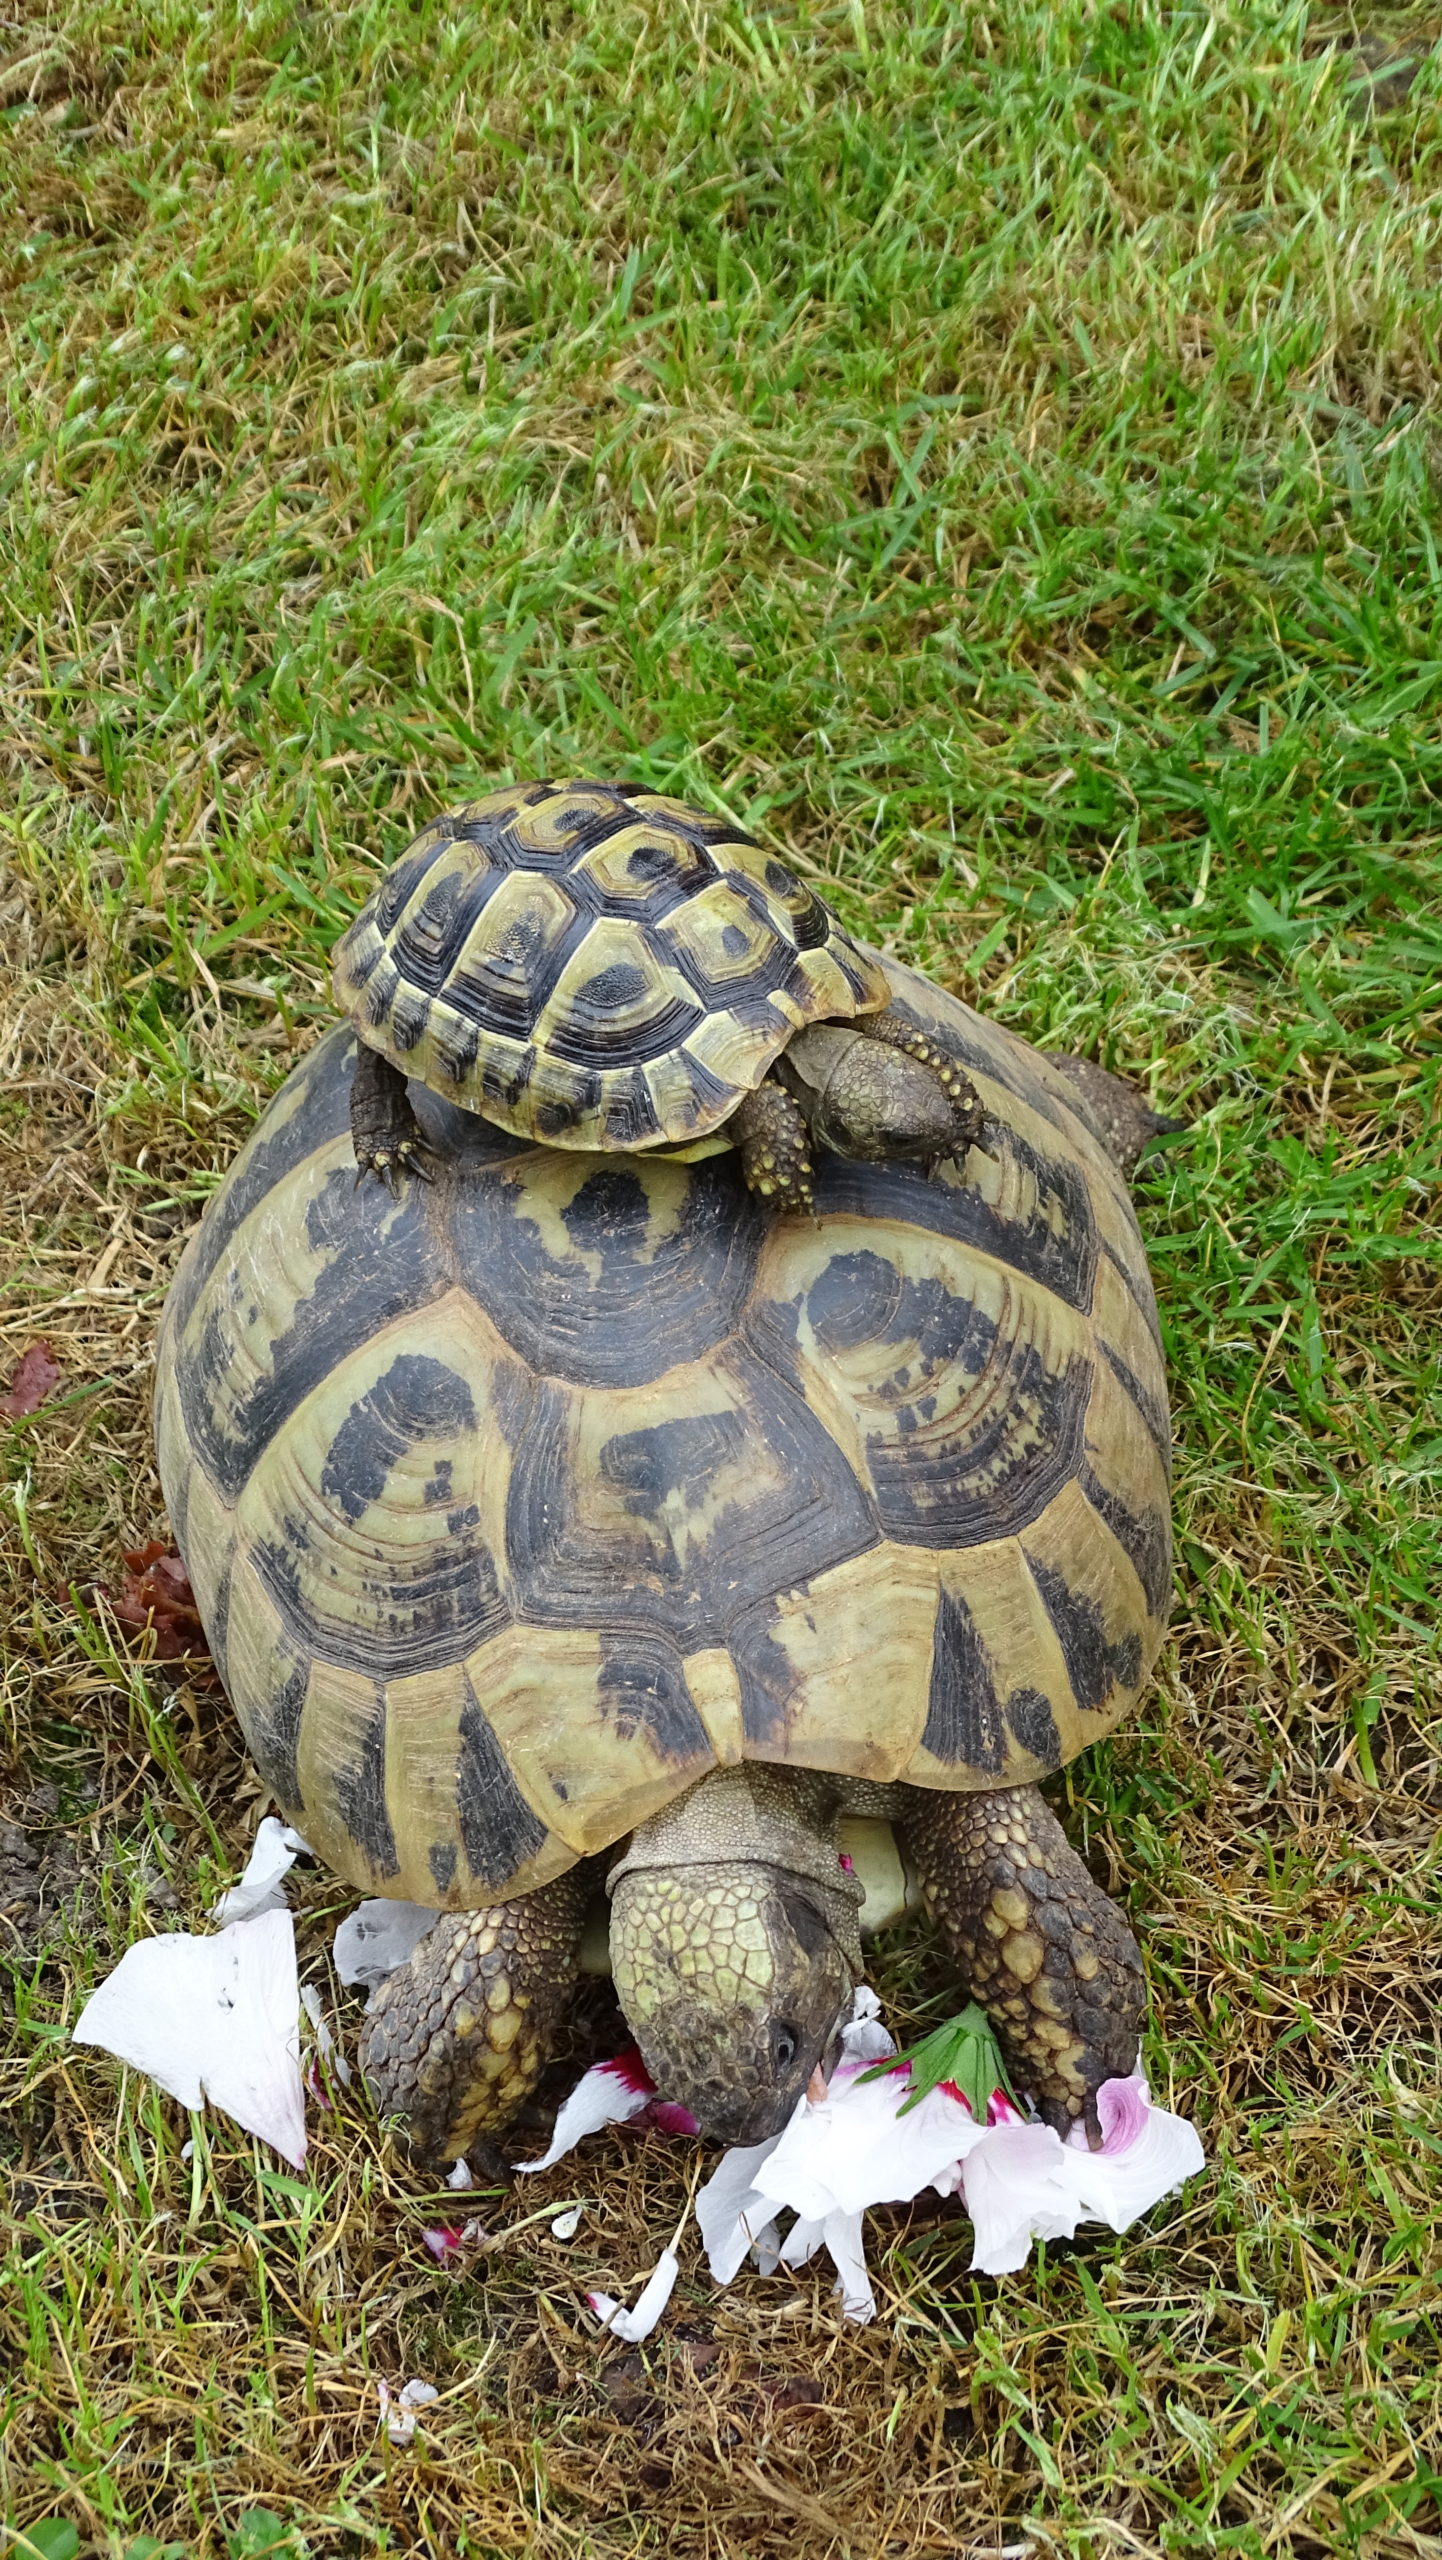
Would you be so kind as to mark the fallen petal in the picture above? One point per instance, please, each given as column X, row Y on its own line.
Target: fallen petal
column 842, row 2234
column 445, row 2241
column 732, row 2215
column 1116, row 2185
column 1016, row 2188
column 262, row 1887
column 461, row 2176
column 855, row 2149
column 638, row 2323
column 325, row 2043
column 399, row 2414
column 35, row 1374
column 376, row 1938
column 566, row 2225
column 215, row 2018
column 609, row 2093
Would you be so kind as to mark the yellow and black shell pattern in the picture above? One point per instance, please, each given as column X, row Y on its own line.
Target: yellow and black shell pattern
column 594, row 966
column 516, row 1504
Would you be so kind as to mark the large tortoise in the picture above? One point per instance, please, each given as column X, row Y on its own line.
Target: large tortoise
column 596, row 966
column 566, row 1508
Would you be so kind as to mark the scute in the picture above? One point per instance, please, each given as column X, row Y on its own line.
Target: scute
column 598, row 967
column 515, row 1506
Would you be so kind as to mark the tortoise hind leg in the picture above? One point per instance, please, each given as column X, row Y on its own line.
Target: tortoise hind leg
column 461, row 2033
column 384, row 1129
column 1117, row 1109
column 1045, row 1952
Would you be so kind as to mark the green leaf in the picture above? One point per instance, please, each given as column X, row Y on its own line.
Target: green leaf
column 259, row 2535
column 52, row 2538
column 964, row 2051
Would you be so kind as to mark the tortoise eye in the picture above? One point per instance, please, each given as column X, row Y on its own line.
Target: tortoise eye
column 785, row 2044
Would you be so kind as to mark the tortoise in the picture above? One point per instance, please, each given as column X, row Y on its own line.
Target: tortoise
column 561, row 1520
column 597, row 966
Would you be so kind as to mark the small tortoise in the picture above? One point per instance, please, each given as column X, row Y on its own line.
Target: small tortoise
column 561, row 1519
column 601, row 968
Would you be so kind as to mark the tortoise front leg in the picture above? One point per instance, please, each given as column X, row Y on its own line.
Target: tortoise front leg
column 461, row 2033
column 1043, row 1950
column 967, row 1109
column 770, row 1129
column 384, row 1129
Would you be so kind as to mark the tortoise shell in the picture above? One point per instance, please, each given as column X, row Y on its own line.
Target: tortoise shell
column 515, row 1505
column 593, row 965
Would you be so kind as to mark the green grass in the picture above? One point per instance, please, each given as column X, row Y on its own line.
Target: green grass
column 994, row 450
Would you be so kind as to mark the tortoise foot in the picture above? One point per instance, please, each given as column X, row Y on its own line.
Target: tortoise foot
column 461, row 2033
column 1045, row 1952
column 770, row 1130
column 385, row 1132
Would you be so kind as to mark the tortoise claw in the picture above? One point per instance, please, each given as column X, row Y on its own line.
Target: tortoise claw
column 390, row 1164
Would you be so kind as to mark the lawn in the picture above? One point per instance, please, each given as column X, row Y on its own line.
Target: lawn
column 994, row 452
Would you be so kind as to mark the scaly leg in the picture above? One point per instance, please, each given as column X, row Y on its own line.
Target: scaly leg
column 770, row 1130
column 461, row 2033
column 968, row 1112
column 1117, row 1109
column 384, row 1129
column 1043, row 1950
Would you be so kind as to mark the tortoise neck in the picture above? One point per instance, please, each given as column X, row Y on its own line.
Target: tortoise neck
column 759, row 1816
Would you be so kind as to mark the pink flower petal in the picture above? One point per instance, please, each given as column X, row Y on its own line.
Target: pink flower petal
column 1115, row 2186
column 444, row 2241
column 667, row 2117
column 1122, row 2110
column 609, row 2093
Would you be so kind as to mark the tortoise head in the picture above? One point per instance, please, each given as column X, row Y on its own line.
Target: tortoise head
column 735, row 1979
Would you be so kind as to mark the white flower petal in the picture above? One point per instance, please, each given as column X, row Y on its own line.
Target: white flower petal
column 376, row 1938
column 419, row 2395
column 566, row 2225
column 864, row 2039
column 855, row 2149
column 607, row 2094
column 1017, row 2190
column 461, row 2176
column 1022, row 2183
column 638, row 2323
column 262, row 1887
column 325, row 2043
column 217, row 2018
column 731, row 2213
column 848, row 2256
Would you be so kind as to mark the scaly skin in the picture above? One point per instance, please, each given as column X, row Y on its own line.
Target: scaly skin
column 1047, row 1955
column 734, row 1944
column 1118, row 1110
column 384, row 1129
column 770, row 1131
column 735, row 1950
column 968, row 1114
column 460, row 2035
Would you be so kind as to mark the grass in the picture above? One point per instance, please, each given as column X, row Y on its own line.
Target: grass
column 995, row 450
